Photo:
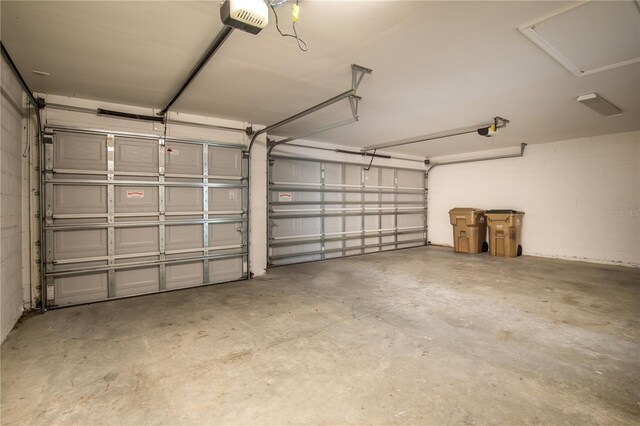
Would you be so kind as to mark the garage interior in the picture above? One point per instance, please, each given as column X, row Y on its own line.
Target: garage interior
column 304, row 156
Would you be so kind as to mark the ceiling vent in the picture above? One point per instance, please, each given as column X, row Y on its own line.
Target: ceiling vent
column 589, row 37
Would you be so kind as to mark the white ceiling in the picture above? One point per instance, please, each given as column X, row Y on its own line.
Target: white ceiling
column 437, row 66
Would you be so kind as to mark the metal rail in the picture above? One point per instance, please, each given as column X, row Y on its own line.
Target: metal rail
column 475, row 160
column 53, row 105
column 353, row 163
column 336, row 250
column 357, row 74
column 134, row 135
column 302, row 216
column 215, row 44
column 347, row 191
column 338, row 239
column 14, row 69
column 37, row 104
column 498, row 122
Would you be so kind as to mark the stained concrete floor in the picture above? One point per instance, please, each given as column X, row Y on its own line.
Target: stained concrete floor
column 413, row 336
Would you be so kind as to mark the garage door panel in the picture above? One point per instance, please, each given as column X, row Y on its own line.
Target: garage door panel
column 388, row 239
column 410, row 179
column 297, row 227
column 353, row 223
column 410, row 220
column 410, row 198
column 137, row 281
column 181, row 199
column 137, row 258
column 297, row 172
column 136, row 199
column 352, row 175
column 183, row 158
column 80, row 289
column 295, row 249
column 371, row 177
column 371, row 198
column 332, row 174
column 371, row 222
column 136, row 240
column 84, row 243
column 225, row 234
column 80, row 152
column 333, row 225
column 332, row 245
column 74, row 199
column 388, row 221
column 387, row 177
column 379, row 200
column 297, row 259
column 294, row 196
column 125, row 232
column 371, row 241
column 179, row 237
column 333, row 197
column 225, row 162
column 225, row 199
column 136, row 155
column 184, row 274
column 78, row 263
column 225, row 269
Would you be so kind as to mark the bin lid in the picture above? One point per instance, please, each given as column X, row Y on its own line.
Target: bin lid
column 463, row 210
column 498, row 211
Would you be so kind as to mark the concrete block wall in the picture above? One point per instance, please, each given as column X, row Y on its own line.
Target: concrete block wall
column 11, row 229
column 581, row 197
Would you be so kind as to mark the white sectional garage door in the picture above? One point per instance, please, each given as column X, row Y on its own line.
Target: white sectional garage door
column 129, row 214
column 322, row 209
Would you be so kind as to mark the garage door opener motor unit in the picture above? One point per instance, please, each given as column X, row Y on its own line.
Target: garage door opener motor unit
column 246, row 15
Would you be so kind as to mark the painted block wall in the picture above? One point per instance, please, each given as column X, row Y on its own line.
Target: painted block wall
column 11, row 229
column 581, row 197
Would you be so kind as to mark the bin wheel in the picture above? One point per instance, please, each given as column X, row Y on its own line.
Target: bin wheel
column 519, row 250
column 485, row 247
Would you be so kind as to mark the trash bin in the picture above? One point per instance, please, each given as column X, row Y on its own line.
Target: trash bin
column 469, row 230
column 505, row 232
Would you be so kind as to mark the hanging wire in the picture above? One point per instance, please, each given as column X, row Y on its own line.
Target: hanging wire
column 301, row 43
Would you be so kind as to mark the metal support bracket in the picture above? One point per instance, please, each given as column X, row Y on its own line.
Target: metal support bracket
column 354, row 102
column 357, row 74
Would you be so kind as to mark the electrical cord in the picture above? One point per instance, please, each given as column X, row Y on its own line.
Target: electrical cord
column 301, row 43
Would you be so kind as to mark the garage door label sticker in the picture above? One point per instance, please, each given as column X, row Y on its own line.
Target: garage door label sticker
column 135, row 194
column 285, row 196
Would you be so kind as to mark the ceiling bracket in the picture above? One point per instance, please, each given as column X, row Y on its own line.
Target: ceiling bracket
column 354, row 102
column 357, row 74
column 500, row 122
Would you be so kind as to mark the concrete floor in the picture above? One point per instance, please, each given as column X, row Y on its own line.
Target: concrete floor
column 413, row 336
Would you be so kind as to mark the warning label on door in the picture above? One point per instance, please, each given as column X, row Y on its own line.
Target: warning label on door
column 285, row 196
column 135, row 194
